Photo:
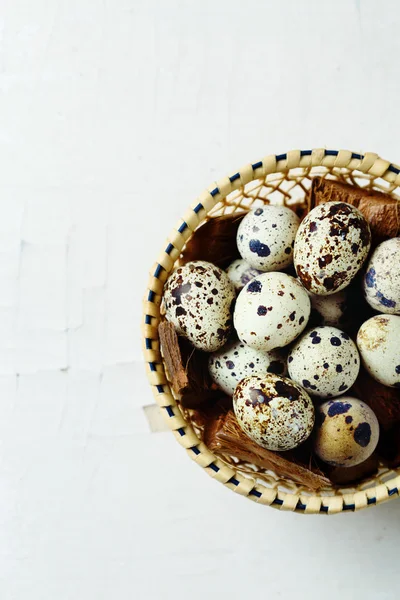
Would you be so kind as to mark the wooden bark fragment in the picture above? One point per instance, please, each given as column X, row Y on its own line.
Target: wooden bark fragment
column 223, row 435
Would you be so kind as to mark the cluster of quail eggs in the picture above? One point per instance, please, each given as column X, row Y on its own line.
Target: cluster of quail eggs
column 290, row 375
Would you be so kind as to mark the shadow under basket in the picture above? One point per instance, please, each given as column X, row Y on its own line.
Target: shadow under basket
column 277, row 179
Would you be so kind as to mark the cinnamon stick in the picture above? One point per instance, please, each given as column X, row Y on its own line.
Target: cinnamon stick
column 381, row 211
column 224, row 435
column 187, row 368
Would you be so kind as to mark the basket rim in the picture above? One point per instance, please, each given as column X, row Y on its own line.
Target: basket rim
column 315, row 503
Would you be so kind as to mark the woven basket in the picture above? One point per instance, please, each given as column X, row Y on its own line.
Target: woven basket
column 282, row 179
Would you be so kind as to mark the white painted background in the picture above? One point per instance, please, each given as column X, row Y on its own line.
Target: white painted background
column 114, row 115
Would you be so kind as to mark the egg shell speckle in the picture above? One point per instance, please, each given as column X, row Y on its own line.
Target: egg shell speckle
column 378, row 341
column 198, row 299
column 382, row 278
column 330, row 310
column 235, row 361
column 346, row 433
column 325, row 361
column 271, row 311
column 240, row 273
column 331, row 245
column 273, row 411
column 265, row 237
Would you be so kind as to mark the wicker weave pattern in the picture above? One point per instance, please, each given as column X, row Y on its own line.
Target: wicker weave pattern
column 284, row 179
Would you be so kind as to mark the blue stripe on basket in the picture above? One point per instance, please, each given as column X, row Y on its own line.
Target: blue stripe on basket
column 277, row 501
column 300, row 506
column 169, row 411
column 394, row 169
column 349, row 507
column 393, row 492
column 152, row 366
column 158, row 270
column 331, row 152
column 305, row 153
column 280, row 157
column 257, row 165
column 255, row 493
column 151, row 295
column 371, row 501
column 357, row 156
column 160, row 389
column 182, row 227
column 169, row 248
column 198, row 208
column 181, row 431
column 148, row 344
column 323, row 508
column 147, row 320
column 214, row 192
column 214, row 467
column 195, row 450
column 234, row 481
column 234, row 177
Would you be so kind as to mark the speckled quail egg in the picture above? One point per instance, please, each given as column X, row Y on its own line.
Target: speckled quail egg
column 271, row 311
column 265, row 237
column 198, row 299
column 325, row 361
column 235, row 361
column 240, row 273
column 378, row 341
column 330, row 310
column 273, row 411
column 331, row 245
column 347, row 432
column 382, row 278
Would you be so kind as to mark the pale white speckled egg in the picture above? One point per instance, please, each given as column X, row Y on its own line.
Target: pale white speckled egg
column 382, row 278
column 265, row 237
column 325, row 361
column 240, row 273
column 273, row 411
column 330, row 310
column 346, row 433
column 198, row 299
column 235, row 361
column 331, row 245
column 271, row 311
column 378, row 341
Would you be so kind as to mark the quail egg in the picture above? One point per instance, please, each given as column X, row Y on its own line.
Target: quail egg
column 265, row 237
column 235, row 361
column 378, row 341
column 271, row 311
column 331, row 245
column 240, row 273
column 198, row 299
column 347, row 432
column 325, row 361
column 382, row 278
column 273, row 411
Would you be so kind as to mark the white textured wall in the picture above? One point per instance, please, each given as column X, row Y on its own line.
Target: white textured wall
column 114, row 115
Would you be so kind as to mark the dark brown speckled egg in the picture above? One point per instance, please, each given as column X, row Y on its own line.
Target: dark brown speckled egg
column 273, row 411
column 198, row 300
column 331, row 245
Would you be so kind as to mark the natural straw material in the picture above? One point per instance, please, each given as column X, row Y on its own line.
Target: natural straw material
column 281, row 179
